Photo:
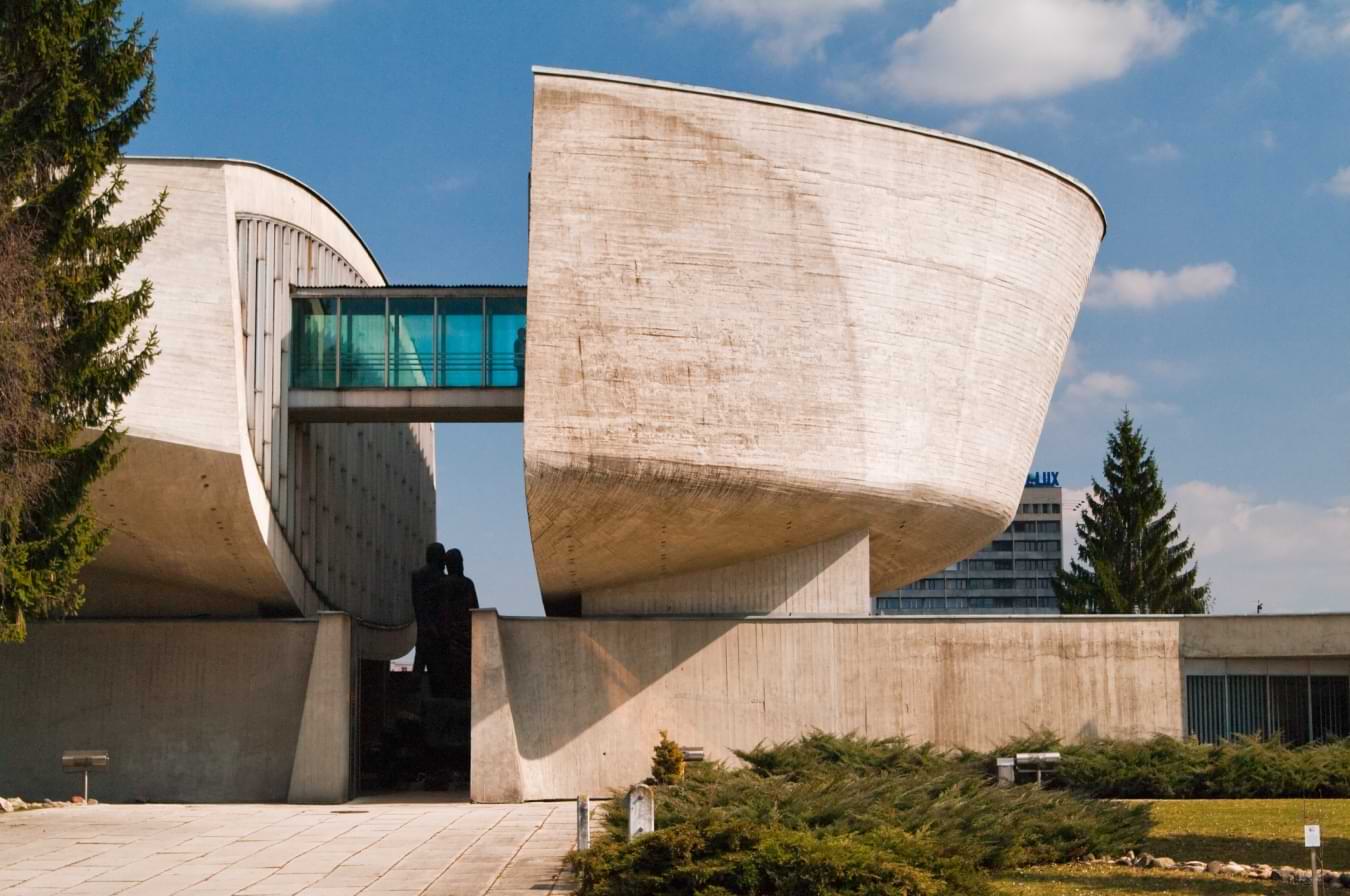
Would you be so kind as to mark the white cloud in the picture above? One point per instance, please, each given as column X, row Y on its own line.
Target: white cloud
column 1171, row 370
column 1099, row 386
column 1313, row 28
column 979, row 120
column 270, row 6
column 1140, row 289
column 787, row 30
column 985, row 51
column 1339, row 185
column 1290, row 556
column 1084, row 394
column 1267, row 140
column 1158, row 152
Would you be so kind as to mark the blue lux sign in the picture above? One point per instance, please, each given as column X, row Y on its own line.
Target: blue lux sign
column 1043, row 480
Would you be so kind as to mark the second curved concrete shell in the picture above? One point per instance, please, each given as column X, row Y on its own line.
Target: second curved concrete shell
column 769, row 342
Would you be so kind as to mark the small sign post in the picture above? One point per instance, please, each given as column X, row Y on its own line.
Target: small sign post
column 1312, row 839
column 641, row 811
column 583, row 822
column 76, row 761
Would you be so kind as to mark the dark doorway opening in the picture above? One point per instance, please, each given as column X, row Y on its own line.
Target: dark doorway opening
column 410, row 738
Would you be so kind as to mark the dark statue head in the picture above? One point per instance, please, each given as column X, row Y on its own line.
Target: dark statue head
column 435, row 554
column 454, row 562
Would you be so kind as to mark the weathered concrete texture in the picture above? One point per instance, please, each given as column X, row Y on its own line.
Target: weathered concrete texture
column 212, row 561
column 189, row 710
column 224, row 505
column 321, row 772
column 1267, row 636
column 581, row 701
column 830, row 578
column 756, row 326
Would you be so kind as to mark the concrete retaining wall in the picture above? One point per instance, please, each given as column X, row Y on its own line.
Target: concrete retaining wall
column 191, row 711
column 568, row 706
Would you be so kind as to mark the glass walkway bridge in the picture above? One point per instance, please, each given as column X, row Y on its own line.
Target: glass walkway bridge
column 407, row 353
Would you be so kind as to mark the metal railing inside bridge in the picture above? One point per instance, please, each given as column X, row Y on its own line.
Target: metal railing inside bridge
column 407, row 337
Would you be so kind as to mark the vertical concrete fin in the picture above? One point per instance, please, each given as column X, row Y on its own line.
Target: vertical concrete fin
column 321, row 772
column 494, row 760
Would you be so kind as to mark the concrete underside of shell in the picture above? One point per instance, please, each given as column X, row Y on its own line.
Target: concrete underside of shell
column 755, row 327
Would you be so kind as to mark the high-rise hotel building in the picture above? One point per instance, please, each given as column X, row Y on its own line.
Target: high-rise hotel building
column 1013, row 574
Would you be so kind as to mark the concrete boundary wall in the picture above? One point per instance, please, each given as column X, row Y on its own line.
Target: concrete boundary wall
column 567, row 706
column 190, row 710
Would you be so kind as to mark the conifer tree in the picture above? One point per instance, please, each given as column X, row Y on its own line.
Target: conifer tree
column 1131, row 556
column 74, row 87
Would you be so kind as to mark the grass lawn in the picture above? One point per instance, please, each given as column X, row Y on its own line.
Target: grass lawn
column 1108, row 880
column 1251, row 831
column 1247, row 831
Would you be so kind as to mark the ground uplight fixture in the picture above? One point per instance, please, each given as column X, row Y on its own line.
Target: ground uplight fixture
column 84, row 761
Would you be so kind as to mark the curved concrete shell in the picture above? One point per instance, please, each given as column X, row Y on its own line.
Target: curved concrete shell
column 757, row 327
column 223, row 506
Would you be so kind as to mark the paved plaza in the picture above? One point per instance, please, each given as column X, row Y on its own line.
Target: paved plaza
column 434, row 848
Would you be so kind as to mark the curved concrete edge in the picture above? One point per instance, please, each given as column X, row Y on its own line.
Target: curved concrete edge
column 275, row 172
column 770, row 513
column 584, row 75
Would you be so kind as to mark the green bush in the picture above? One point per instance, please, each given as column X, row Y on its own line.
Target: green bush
column 667, row 761
column 844, row 814
column 1166, row 768
column 727, row 857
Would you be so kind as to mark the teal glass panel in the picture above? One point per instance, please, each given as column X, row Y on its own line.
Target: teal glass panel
column 506, row 342
column 314, row 344
column 363, row 342
column 460, row 322
column 412, row 342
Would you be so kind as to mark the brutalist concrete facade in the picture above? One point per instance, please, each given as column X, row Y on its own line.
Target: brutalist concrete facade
column 253, row 560
column 756, row 326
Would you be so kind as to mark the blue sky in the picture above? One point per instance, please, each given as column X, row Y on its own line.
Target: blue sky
column 1217, row 136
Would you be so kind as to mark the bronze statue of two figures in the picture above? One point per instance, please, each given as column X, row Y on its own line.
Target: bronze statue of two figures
column 442, row 598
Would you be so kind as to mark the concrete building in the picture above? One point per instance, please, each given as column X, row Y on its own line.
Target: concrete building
column 1014, row 573
column 782, row 358
column 254, row 562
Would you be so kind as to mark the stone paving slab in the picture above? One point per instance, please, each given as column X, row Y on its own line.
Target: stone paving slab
column 384, row 849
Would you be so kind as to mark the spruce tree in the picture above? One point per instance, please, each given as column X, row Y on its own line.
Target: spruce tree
column 74, row 87
column 1131, row 556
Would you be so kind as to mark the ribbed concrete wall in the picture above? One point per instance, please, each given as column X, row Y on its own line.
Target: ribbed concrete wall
column 223, row 505
column 567, row 706
column 756, row 326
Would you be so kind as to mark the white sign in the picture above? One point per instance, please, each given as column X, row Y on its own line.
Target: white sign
column 1312, row 836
